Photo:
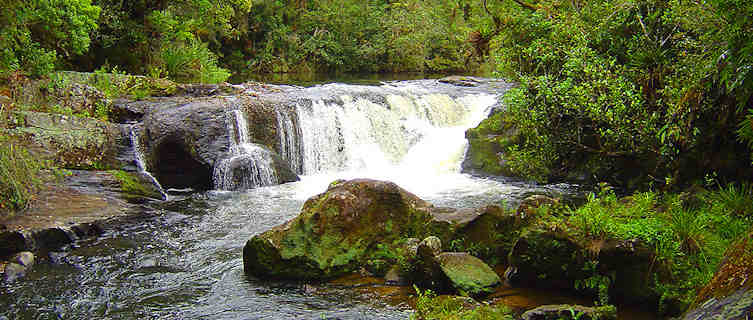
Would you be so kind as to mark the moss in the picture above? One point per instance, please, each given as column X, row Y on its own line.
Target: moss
column 132, row 184
column 488, row 142
column 468, row 274
column 734, row 274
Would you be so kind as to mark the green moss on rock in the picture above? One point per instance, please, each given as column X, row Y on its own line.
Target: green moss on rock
column 467, row 273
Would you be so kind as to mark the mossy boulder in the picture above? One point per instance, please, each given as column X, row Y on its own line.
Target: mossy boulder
column 337, row 231
column 487, row 144
column 550, row 257
column 729, row 294
column 468, row 274
column 69, row 141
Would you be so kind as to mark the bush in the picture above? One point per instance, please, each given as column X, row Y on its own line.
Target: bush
column 192, row 62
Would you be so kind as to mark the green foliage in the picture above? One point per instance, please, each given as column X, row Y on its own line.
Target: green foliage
column 34, row 34
column 431, row 307
column 191, row 62
column 628, row 91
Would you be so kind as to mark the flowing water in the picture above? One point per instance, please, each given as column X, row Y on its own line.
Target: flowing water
column 182, row 258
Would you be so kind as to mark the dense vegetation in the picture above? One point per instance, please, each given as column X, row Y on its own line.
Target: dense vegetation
column 635, row 92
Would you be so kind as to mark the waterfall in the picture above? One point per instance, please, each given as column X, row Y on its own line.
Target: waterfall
column 403, row 127
column 290, row 144
column 139, row 159
column 247, row 165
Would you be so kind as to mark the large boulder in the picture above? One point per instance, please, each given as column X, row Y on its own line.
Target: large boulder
column 337, row 230
column 729, row 294
column 70, row 141
column 361, row 221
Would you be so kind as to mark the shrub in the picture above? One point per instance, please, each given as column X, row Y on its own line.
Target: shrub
column 192, row 62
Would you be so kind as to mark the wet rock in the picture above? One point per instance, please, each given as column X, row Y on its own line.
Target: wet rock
column 337, row 231
column 460, row 81
column 184, row 142
column 487, row 145
column 13, row 271
column 24, row 258
column 53, row 238
column 396, row 277
column 71, row 142
column 12, row 242
column 468, row 274
column 431, row 246
column 492, row 230
column 570, row 312
column 729, row 294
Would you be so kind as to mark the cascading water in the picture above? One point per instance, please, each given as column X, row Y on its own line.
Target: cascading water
column 139, row 159
column 248, row 165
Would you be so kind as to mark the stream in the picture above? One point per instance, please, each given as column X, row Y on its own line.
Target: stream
column 181, row 258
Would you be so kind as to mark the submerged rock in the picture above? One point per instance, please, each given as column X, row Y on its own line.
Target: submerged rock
column 337, row 230
column 570, row 312
column 729, row 294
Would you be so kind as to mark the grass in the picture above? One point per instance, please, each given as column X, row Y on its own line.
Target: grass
column 20, row 177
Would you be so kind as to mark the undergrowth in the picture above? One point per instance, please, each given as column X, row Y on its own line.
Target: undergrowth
column 689, row 233
column 429, row 306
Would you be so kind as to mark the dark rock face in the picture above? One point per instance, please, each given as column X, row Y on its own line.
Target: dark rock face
column 184, row 142
column 556, row 259
column 729, row 294
column 568, row 312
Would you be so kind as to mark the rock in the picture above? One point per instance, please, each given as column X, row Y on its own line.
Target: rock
column 556, row 259
column 487, row 145
column 337, row 231
column 460, row 81
column 570, row 312
column 53, row 238
column 729, row 294
column 71, row 142
column 396, row 277
column 432, row 246
column 492, row 230
column 468, row 274
column 24, row 258
column 136, row 184
column 13, row 271
column 12, row 242
column 184, row 142
column 529, row 205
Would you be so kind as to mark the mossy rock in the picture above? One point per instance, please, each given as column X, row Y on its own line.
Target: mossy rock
column 468, row 274
column 69, row 141
column 570, row 312
column 487, row 144
column 337, row 231
column 729, row 294
column 136, row 184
